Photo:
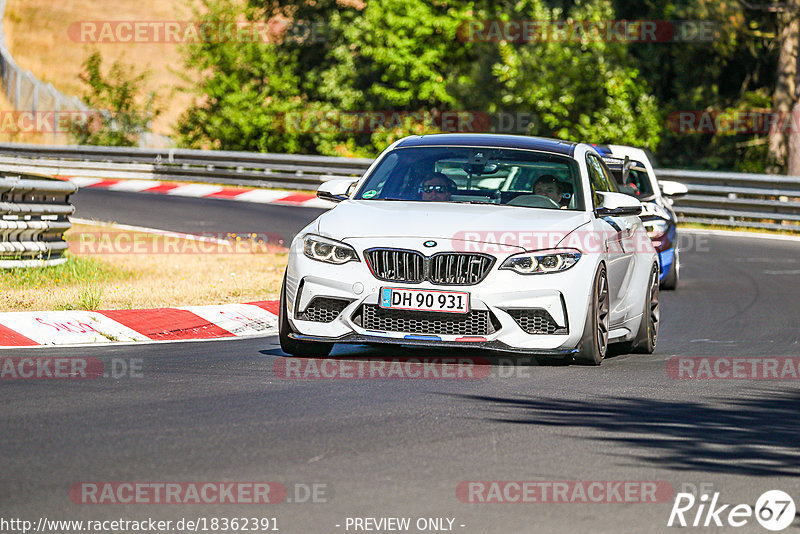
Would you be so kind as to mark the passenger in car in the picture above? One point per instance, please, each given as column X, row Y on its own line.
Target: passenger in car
column 549, row 186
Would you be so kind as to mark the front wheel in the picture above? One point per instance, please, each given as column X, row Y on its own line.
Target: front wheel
column 295, row 347
column 594, row 344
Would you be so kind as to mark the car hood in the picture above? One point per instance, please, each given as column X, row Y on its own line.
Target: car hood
column 505, row 225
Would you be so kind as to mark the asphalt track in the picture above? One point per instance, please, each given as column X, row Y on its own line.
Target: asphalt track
column 215, row 411
column 192, row 215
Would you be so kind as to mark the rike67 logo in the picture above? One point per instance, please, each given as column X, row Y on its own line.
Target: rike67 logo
column 774, row 510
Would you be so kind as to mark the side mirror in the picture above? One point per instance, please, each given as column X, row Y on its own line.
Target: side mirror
column 618, row 204
column 672, row 189
column 336, row 190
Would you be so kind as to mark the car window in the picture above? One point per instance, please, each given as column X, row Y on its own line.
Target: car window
column 608, row 178
column 637, row 185
column 482, row 175
column 599, row 175
column 599, row 180
column 637, row 182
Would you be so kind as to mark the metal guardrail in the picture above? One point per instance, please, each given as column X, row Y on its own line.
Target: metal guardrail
column 723, row 198
column 34, row 214
column 765, row 201
column 208, row 166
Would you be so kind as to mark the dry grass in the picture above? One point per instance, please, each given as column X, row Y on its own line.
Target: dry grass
column 147, row 280
column 37, row 35
column 11, row 133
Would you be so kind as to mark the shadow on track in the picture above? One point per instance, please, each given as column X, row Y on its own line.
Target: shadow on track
column 757, row 436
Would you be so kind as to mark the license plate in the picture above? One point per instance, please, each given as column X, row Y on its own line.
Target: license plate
column 424, row 300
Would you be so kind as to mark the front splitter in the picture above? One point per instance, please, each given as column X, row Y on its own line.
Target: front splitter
column 498, row 346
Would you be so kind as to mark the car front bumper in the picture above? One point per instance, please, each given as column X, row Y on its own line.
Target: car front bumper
column 564, row 296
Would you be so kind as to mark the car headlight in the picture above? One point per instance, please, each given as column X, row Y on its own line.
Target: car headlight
column 327, row 250
column 656, row 229
column 542, row 262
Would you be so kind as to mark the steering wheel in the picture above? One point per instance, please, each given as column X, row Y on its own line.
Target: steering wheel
column 534, row 201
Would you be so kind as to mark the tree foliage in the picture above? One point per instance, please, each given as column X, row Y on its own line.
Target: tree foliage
column 325, row 59
column 121, row 112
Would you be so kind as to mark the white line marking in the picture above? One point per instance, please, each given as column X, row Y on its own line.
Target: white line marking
column 194, row 190
column 81, row 181
column 265, row 196
column 134, row 186
column 68, row 327
column 318, row 203
column 238, row 319
column 736, row 233
column 795, row 271
column 167, row 233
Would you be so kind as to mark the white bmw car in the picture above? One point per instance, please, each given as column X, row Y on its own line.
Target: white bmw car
column 507, row 243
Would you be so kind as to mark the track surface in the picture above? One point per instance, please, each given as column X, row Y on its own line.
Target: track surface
column 191, row 215
column 215, row 411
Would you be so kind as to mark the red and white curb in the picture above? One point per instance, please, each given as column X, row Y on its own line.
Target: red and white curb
column 189, row 323
column 241, row 194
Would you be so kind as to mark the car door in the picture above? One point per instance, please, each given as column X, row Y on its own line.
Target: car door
column 618, row 233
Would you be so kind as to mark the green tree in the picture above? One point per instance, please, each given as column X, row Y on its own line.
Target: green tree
column 120, row 110
column 733, row 72
column 588, row 91
column 406, row 56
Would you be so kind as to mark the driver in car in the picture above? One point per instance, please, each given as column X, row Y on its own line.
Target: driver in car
column 548, row 186
column 437, row 188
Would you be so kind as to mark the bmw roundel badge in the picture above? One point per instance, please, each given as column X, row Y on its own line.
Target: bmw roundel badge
column 430, row 244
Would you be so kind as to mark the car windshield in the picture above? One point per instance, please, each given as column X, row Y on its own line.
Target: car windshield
column 637, row 183
column 476, row 175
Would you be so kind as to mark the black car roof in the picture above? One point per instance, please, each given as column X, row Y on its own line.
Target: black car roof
column 491, row 140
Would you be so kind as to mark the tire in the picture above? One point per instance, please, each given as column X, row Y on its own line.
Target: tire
column 670, row 281
column 647, row 336
column 295, row 347
column 594, row 344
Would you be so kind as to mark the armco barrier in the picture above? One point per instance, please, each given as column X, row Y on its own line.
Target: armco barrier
column 209, row 166
column 34, row 214
column 764, row 201
column 724, row 198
